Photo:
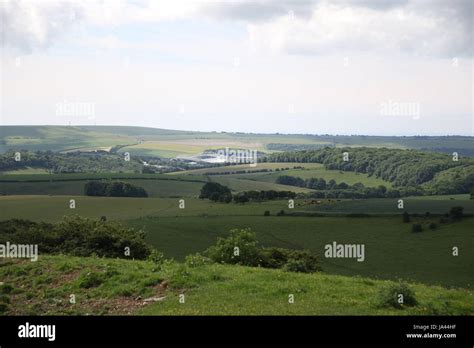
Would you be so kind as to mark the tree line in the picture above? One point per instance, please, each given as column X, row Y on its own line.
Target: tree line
column 220, row 193
column 72, row 162
column 113, row 189
column 402, row 168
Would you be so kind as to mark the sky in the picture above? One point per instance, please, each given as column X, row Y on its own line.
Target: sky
column 374, row 67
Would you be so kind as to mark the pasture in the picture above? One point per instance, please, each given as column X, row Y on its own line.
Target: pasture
column 308, row 170
column 392, row 251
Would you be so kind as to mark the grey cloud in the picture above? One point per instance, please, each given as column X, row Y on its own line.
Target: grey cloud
column 258, row 11
column 27, row 25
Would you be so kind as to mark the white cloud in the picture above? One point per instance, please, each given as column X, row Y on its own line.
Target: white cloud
column 337, row 28
column 27, row 24
column 434, row 27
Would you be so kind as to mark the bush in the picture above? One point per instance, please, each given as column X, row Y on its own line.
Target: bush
column 432, row 226
column 78, row 236
column 156, row 257
column 416, row 228
column 397, row 295
column 249, row 254
column 290, row 260
column 197, row 260
column 281, row 213
column 296, row 266
column 243, row 241
column 266, row 213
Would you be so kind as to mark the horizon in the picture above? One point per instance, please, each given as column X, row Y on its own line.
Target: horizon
column 239, row 132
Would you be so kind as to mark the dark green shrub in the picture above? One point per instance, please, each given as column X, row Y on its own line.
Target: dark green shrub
column 397, row 295
column 78, row 236
column 302, row 260
column 416, row 228
column 432, row 226
column 156, row 257
column 251, row 255
column 281, row 213
column 242, row 242
column 266, row 213
column 296, row 266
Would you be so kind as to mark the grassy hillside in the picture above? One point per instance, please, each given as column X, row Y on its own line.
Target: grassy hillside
column 161, row 142
column 124, row 287
column 263, row 177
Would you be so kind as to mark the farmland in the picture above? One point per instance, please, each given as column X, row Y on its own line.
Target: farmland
column 180, row 232
column 178, row 224
column 163, row 142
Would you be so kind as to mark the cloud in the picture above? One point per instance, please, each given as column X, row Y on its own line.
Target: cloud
column 28, row 25
column 309, row 27
column 338, row 27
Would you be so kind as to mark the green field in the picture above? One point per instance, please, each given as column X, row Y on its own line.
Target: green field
column 238, row 184
column 392, row 250
column 423, row 257
column 247, row 167
column 385, row 205
column 156, row 185
column 154, row 188
column 162, row 142
column 53, row 208
column 310, row 170
column 44, row 287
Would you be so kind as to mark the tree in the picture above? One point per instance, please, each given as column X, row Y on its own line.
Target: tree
column 241, row 197
column 95, row 188
column 342, row 186
column 331, row 184
column 214, row 191
column 416, row 228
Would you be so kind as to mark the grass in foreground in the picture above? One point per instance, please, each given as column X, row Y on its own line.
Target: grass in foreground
column 114, row 286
